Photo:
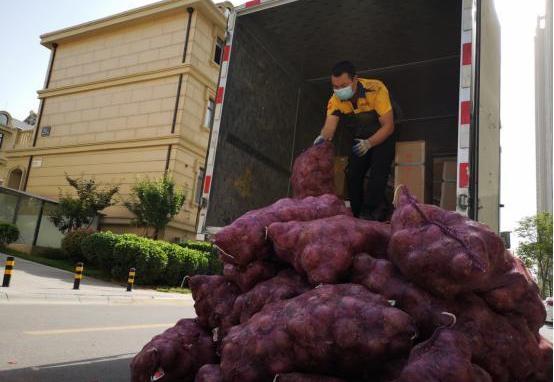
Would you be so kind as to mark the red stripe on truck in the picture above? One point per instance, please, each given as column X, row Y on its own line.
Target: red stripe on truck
column 463, row 181
column 466, row 54
column 226, row 53
column 219, row 95
column 207, row 183
column 465, row 111
column 251, row 3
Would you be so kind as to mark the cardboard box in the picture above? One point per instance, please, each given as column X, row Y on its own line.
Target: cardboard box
column 449, row 172
column 413, row 177
column 448, row 196
column 410, row 152
column 340, row 177
column 444, row 169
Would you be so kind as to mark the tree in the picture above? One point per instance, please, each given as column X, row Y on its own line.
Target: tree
column 155, row 203
column 536, row 248
column 73, row 213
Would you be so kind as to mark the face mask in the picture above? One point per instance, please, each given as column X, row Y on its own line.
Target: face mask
column 344, row 93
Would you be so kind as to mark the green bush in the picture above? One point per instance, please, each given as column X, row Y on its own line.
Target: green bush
column 204, row 246
column 155, row 261
column 119, row 262
column 8, row 233
column 71, row 244
column 210, row 262
column 145, row 255
column 181, row 262
column 98, row 249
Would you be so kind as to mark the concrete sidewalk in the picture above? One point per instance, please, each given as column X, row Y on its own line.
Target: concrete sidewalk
column 37, row 283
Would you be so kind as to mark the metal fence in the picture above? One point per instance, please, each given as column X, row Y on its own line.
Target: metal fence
column 30, row 213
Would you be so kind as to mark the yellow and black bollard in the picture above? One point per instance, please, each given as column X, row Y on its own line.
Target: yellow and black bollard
column 78, row 275
column 131, row 280
column 10, row 262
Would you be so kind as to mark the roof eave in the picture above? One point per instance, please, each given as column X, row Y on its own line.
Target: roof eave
column 48, row 39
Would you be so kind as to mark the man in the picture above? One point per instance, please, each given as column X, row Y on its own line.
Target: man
column 365, row 107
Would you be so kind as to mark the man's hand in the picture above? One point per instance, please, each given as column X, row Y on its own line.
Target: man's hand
column 319, row 140
column 361, row 147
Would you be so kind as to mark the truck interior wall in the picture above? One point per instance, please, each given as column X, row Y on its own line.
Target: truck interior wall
column 257, row 133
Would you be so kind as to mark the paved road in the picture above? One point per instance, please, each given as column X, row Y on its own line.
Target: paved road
column 88, row 343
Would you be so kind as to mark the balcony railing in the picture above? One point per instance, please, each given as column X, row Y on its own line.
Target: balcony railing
column 23, row 139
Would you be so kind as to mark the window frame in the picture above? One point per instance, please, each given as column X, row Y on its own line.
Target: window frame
column 209, row 102
column 198, row 190
column 218, row 59
column 7, row 119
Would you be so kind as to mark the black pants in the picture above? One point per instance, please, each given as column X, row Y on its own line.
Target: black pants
column 379, row 160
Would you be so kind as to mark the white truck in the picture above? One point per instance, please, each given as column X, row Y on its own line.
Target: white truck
column 440, row 60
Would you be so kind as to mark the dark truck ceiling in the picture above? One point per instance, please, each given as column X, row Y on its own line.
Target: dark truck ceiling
column 313, row 34
column 278, row 85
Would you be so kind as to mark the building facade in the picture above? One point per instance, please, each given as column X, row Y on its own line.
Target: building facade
column 543, row 108
column 127, row 97
column 13, row 133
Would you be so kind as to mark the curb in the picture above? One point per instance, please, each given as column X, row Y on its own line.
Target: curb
column 44, row 298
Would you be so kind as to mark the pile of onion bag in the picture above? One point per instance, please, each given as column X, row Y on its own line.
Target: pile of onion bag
column 311, row 294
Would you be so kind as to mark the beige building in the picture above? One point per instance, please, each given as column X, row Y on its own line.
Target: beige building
column 125, row 97
column 13, row 133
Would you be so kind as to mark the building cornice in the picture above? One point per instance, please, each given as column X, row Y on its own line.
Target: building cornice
column 107, row 145
column 189, row 69
column 206, row 7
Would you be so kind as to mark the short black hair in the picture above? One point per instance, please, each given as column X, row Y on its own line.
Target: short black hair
column 343, row 67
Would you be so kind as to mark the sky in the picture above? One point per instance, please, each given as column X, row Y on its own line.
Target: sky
column 24, row 62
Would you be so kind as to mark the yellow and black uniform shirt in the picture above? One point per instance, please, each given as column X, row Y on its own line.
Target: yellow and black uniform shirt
column 371, row 95
column 361, row 113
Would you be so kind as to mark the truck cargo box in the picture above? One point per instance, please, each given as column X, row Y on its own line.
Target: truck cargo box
column 275, row 84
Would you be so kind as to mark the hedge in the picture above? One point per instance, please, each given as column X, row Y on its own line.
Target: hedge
column 181, row 262
column 156, row 262
column 98, row 248
column 71, row 244
column 145, row 255
column 8, row 233
column 214, row 265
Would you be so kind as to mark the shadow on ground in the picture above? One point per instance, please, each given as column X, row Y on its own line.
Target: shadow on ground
column 105, row 369
column 47, row 271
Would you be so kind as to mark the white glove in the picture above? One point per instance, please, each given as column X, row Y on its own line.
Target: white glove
column 319, row 140
column 361, row 147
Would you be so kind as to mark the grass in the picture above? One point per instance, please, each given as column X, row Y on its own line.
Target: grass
column 173, row 290
column 64, row 264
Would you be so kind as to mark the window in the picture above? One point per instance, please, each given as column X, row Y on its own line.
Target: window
column 3, row 119
column 45, row 131
column 218, row 50
column 1, row 139
column 199, row 184
column 210, row 111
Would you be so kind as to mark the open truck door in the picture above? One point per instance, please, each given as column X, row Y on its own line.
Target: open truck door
column 478, row 185
column 440, row 58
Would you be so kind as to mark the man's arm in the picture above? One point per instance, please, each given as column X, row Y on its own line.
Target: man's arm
column 329, row 127
column 386, row 130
